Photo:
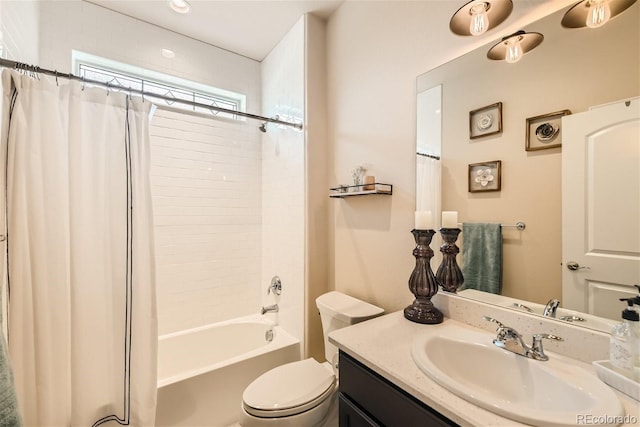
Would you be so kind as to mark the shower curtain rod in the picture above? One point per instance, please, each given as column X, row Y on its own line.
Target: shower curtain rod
column 431, row 156
column 7, row 63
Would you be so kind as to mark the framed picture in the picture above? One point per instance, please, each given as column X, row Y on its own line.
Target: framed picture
column 485, row 121
column 485, row 176
column 544, row 131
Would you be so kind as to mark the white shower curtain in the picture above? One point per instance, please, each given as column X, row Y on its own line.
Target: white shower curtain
column 427, row 184
column 82, row 310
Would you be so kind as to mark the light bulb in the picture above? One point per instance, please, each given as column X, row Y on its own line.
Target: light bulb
column 180, row 6
column 599, row 13
column 514, row 49
column 479, row 20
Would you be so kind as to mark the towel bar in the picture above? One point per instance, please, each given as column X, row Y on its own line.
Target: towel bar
column 518, row 225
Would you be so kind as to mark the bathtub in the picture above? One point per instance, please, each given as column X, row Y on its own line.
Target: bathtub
column 202, row 372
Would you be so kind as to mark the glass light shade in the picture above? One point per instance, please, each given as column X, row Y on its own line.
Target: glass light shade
column 479, row 16
column 599, row 13
column 594, row 13
column 514, row 50
column 513, row 47
column 479, row 23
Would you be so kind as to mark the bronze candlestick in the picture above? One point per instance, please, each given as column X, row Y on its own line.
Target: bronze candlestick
column 423, row 283
column 449, row 274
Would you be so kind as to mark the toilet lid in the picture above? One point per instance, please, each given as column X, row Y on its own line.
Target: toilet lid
column 292, row 385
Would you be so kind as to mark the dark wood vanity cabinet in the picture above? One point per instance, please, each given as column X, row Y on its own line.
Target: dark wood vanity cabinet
column 367, row 399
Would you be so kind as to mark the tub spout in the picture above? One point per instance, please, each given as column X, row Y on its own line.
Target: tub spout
column 269, row 309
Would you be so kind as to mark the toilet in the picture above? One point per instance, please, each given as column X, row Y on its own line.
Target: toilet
column 301, row 394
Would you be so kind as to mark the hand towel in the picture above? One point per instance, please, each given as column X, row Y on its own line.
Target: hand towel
column 482, row 257
column 9, row 414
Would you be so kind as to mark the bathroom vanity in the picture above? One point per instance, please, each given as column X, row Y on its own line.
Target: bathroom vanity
column 366, row 396
column 381, row 384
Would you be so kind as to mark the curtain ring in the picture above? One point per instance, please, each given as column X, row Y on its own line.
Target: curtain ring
column 56, row 71
column 83, row 83
column 107, row 88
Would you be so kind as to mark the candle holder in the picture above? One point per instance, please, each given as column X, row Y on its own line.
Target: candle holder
column 449, row 274
column 422, row 283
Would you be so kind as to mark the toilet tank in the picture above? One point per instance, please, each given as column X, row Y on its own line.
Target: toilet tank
column 338, row 310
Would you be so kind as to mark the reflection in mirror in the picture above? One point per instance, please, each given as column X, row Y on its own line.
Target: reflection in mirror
column 428, row 149
column 571, row 70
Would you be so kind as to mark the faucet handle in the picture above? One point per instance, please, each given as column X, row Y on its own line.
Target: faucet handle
column 275, row 286
column 537, row 352
column 491, row 319
column 539, row 337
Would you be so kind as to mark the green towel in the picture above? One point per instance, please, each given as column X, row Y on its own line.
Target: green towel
column 9, row 414
column 482, row 257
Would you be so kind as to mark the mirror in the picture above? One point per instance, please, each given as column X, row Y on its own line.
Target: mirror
column 573, row 69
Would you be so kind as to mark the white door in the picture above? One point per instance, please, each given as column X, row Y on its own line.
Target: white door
column 601, row 208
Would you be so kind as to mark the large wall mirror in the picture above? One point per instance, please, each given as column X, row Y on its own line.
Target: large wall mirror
column 572, row 70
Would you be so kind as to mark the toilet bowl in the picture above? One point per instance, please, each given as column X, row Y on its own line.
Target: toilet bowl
column 302, row 393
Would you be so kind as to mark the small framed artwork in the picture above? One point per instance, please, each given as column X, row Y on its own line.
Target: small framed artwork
column 545, row 131
column 485, row 176
column 485, row 121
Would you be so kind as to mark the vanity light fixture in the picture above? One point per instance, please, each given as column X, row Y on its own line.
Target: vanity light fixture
column 478, row 16
column 179, row 6
column 514, row 46
column 594, row 13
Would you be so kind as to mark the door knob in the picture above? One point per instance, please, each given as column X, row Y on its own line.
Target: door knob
column 573, row 266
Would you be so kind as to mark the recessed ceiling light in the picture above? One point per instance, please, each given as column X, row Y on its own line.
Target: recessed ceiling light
column 180, row 6
column 168, row 53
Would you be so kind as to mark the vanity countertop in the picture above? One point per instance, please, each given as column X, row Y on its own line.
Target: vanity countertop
column 384, row 345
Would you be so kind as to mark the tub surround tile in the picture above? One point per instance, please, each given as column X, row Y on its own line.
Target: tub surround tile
column 384, row 345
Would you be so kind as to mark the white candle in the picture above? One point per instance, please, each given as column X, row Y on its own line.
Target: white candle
column 424, row 220
column 449, row 219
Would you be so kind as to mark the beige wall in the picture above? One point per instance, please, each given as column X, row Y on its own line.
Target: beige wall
column 375, row 51
column 316, row 158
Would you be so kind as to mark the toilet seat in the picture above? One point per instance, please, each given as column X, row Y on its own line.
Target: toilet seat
column 289, row 389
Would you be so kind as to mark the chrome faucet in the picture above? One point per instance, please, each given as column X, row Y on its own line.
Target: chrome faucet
column 509, row 339
column 270, row 309
column 551, row 308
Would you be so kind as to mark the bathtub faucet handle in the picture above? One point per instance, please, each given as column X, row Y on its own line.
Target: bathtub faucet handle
column 275, row 286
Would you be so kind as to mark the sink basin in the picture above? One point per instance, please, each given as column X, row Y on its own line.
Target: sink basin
column 464, row 360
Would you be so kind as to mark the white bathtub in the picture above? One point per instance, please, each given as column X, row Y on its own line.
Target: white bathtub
column 202, row 372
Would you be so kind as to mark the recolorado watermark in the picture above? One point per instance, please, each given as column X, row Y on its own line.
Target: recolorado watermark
column 587, row 419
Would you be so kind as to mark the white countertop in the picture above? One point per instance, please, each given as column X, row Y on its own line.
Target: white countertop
column 384, row 345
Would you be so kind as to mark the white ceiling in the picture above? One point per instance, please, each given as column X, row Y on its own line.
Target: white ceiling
column 252, row 28
column 248, row 27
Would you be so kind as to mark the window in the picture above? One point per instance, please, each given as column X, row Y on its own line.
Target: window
column 118, row 74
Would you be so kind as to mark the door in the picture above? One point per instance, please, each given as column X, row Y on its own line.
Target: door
column 601, row 208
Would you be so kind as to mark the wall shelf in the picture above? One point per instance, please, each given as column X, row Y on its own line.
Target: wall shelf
column 344, row 191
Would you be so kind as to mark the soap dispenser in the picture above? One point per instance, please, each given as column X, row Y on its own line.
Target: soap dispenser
column 636, row 300
column 625, row 339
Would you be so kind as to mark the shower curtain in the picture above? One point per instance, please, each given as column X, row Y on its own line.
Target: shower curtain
column 427, row 184
column 82, row 309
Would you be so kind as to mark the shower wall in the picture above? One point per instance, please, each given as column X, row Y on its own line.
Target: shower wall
column 206, row 189
column 19, row 31
column 283, row 179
